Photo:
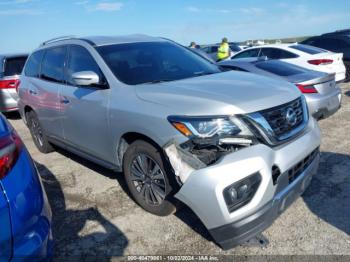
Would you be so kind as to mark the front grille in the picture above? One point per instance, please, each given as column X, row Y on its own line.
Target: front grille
column 300, row 167
column 277, row 118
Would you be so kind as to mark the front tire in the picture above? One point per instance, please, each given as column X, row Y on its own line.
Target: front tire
column 38, row 135
column 148, row 178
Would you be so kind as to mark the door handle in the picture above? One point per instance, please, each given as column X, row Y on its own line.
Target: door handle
column 32, row 92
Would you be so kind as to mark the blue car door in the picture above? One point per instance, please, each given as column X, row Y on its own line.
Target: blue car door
column 5, row 228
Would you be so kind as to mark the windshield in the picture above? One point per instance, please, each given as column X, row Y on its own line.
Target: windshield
column 152, row 62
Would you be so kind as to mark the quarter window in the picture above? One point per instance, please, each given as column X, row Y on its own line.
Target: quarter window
column 53, row 64
column 32, row 68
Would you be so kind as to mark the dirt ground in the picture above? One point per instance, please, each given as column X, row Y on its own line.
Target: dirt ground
column 94, row 215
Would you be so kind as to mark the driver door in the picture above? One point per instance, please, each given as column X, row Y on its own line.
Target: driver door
column 84, row 108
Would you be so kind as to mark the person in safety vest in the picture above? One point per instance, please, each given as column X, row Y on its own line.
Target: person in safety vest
column 223, row 50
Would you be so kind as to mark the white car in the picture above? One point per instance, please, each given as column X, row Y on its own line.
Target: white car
column 306, row 56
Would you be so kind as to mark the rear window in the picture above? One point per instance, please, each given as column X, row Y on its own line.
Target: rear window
column 308, row 49
column 279, row 68
column 14, row 66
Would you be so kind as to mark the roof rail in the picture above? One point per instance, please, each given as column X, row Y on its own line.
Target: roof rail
column 56, row 39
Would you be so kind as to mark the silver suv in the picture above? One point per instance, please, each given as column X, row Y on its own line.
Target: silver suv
column 236, row 148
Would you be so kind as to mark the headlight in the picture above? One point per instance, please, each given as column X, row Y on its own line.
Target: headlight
column 225, row 127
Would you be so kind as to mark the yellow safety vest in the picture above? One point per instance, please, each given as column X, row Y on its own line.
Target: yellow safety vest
column 223, row 51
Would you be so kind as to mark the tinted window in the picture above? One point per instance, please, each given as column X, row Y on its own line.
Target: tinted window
column 279, row 68
column 138, row 63
column 14, row 66
column 32, row 68
column 53, row 64
column 248, row 53
column 276, row 53
column 307, row 49
column 80, row 60
column 214, row 49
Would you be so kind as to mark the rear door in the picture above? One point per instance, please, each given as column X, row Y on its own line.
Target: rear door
column 44, row 91
column 84, row 109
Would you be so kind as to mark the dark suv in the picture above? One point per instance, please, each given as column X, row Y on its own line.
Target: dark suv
column 338, row 42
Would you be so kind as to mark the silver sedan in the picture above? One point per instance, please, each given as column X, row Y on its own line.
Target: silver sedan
column 322, row 94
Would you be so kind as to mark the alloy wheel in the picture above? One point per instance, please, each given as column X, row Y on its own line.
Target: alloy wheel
column 148, row 179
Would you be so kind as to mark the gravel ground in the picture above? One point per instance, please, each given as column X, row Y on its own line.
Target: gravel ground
column 94, row 215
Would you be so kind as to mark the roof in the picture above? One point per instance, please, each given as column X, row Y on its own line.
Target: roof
column 106, row 40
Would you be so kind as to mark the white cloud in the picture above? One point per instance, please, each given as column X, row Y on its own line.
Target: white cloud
column 81, row 2
column 109, row 7
column 12, row 12
column 15, row 2
column 193, row 9
column 252, row 11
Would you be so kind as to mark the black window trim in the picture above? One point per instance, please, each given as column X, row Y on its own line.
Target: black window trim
column 100, row 87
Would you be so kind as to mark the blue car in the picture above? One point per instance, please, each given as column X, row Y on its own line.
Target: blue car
column 25, row 215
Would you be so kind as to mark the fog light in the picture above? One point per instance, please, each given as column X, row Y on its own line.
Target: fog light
column 241, row 192
column 233, row 193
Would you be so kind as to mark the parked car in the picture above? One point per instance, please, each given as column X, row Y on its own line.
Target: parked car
column 10, row 68
column 338, row 42
column 322, row 94
column 302, row 55
column 212, row 50
column 25, row 215
column 236, row 148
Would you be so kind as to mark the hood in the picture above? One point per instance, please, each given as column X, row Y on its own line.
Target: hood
column 219, row 94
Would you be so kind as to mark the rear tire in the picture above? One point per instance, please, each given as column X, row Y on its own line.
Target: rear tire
column 38, row 135
column 149, row 179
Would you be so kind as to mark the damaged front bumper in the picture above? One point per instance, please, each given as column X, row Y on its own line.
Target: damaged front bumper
column 203, row 188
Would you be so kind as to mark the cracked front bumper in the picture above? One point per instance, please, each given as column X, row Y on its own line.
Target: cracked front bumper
column 203, row 189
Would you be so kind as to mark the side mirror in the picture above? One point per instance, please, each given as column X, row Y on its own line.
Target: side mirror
column 85, row 78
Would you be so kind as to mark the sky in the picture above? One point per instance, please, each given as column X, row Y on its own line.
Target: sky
column 24, row 24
